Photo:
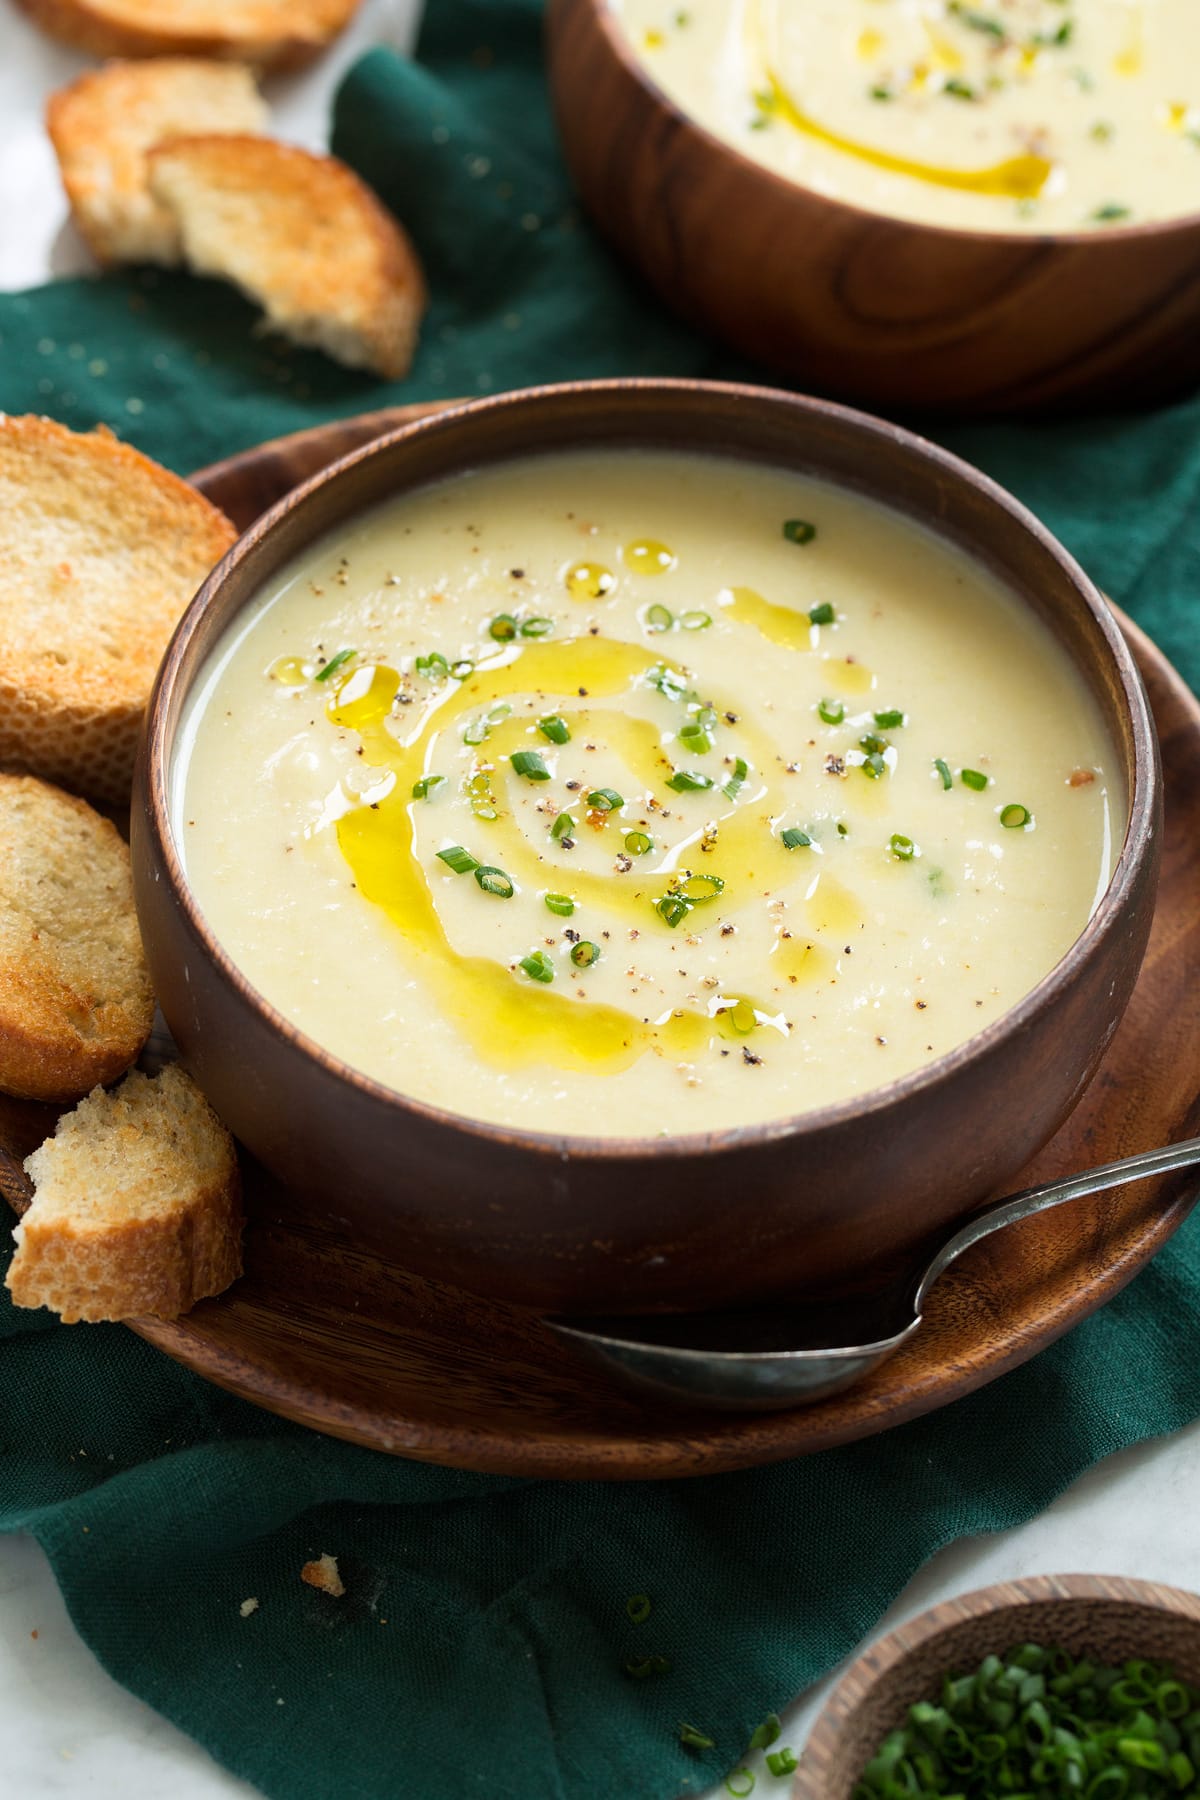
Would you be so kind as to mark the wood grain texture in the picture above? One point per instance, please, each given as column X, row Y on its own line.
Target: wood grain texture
column 323, row 1333
column 857, row 304
column 1106, row 1617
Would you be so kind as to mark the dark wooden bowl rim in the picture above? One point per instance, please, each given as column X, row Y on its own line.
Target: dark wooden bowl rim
column 1108, row 916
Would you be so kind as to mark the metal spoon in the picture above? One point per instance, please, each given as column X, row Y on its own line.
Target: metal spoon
column 780, row 1355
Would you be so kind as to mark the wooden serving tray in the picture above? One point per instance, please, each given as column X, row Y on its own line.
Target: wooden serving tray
column 322, row 1333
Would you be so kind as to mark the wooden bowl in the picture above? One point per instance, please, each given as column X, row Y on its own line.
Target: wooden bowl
column 585, row 1224
column 1106, row 1617
column 875, row 308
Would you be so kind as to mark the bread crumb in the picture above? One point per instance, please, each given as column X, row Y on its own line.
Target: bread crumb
column 247, row 1607
column 323, row 1574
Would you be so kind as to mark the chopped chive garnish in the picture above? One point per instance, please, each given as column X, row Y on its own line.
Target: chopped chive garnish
column 876, row 745
column 538, row 626
column 1108, row 214
column 638, row 1608
column 462, row 668
column 794, row 839
column 673, row 909
column 458, row 859
column 874, row 766
column 334, row 664
column 799, row 531
column 494, row 881
column 605, row 800
column 1013, row 817
column 555, row 728
column 766, row 1733
column 503, row 627
column 695, row 1740
column 584, row 954
column 696, row 889
column 529, row 763
column 423, row 788
column 888, row 721
column 637, row 843
column 959, row 89
column 832, row 711
column 561, row 905
column 475, row 731
column 695, row 621
column 740, row 1783
column 689, row 781
column 901, row 847
column 973, row 778
column 537, row 966
column 741, row 1016
column 642, row 1666
column 695, row 739
column 943, row 769
column 821, row 615
column 659, row 618
column 782, row 1762
column 669, row 684
column 562, row 827
column 737, row 780
column 496, row 713
column 433, row 665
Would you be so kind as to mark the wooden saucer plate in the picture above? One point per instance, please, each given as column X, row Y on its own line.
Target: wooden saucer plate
column 324, row 1334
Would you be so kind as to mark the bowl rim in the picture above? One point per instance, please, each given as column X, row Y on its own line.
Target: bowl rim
column 622, row 49
column 878, row 1659
column 152, row 789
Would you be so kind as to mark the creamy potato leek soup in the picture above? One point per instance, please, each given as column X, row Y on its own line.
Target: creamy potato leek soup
column 998, row 115
column 631, row 792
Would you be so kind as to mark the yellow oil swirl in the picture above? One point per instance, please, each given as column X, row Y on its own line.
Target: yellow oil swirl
column 1016, row 178
column 780, row 624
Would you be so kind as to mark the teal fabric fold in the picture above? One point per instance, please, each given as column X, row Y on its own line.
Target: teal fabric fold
column 482, row 1642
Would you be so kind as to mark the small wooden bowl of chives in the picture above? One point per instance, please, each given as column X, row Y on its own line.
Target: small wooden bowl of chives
column 1109, row 1619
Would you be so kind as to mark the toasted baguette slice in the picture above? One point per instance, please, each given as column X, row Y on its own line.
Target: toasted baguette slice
column 275, row 33
column 104, row 123
column 100, row 551
column 301, row 235
column 75, row 999
column 137, row 1206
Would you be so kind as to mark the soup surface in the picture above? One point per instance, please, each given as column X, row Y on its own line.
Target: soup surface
column 634, row 792
column 998, row 115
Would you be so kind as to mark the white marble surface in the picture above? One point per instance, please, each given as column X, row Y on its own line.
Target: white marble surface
column 67, row 1729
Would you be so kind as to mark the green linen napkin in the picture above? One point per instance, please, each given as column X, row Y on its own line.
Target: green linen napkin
column 481, row 1643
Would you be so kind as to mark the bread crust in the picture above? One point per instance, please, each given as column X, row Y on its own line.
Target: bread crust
column 302, row 235
column 76, row 1004
column 268, row 33
column 91, row 1264
column 102, row 551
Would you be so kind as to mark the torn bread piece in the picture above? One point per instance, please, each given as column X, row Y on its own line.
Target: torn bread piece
column 269, row 33
column 324, row 1574
column 137, row 1205
column 105, row 122
column 100, row 552
column 301, row 235
column 75, row 998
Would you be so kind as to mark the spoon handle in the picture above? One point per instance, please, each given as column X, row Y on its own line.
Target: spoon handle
column 1000, row 1213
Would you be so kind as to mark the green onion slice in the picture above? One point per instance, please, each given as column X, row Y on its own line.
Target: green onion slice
column 740, row 1783
column 537, row 966
column 874, row 768
column 689, row 781
column 799, row 531
column 673, row 909
column 902, row 847
column 562, row 827
column 973, row 778
column 560, row 904
column 870, row 741
column 695, row 621
column 943, row 769
column 584, row 954
column 637, row 843
column 638, row 1608
column 890, row 720
column 433, row 665
column 832, row 711
column 423, row 788
column 695, row 1740
column 659, row 618
column 822, row 614
column 737, row 781
column 782, row 1762
column 555, row 728
column 529, row 763
column 458, row 859
column 334, row 664
column 1014, row 817
column 605, row 800
column 462, row 668
column 538, row 626
column 475, row 731
column 494, row 881
column 766, row 1733
column 503, row 628
column 696, row 889
column 795, row 839
column 695, row 739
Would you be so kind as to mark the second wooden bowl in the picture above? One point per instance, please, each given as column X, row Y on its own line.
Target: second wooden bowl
column 882, row 310
column 1107, row 1617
